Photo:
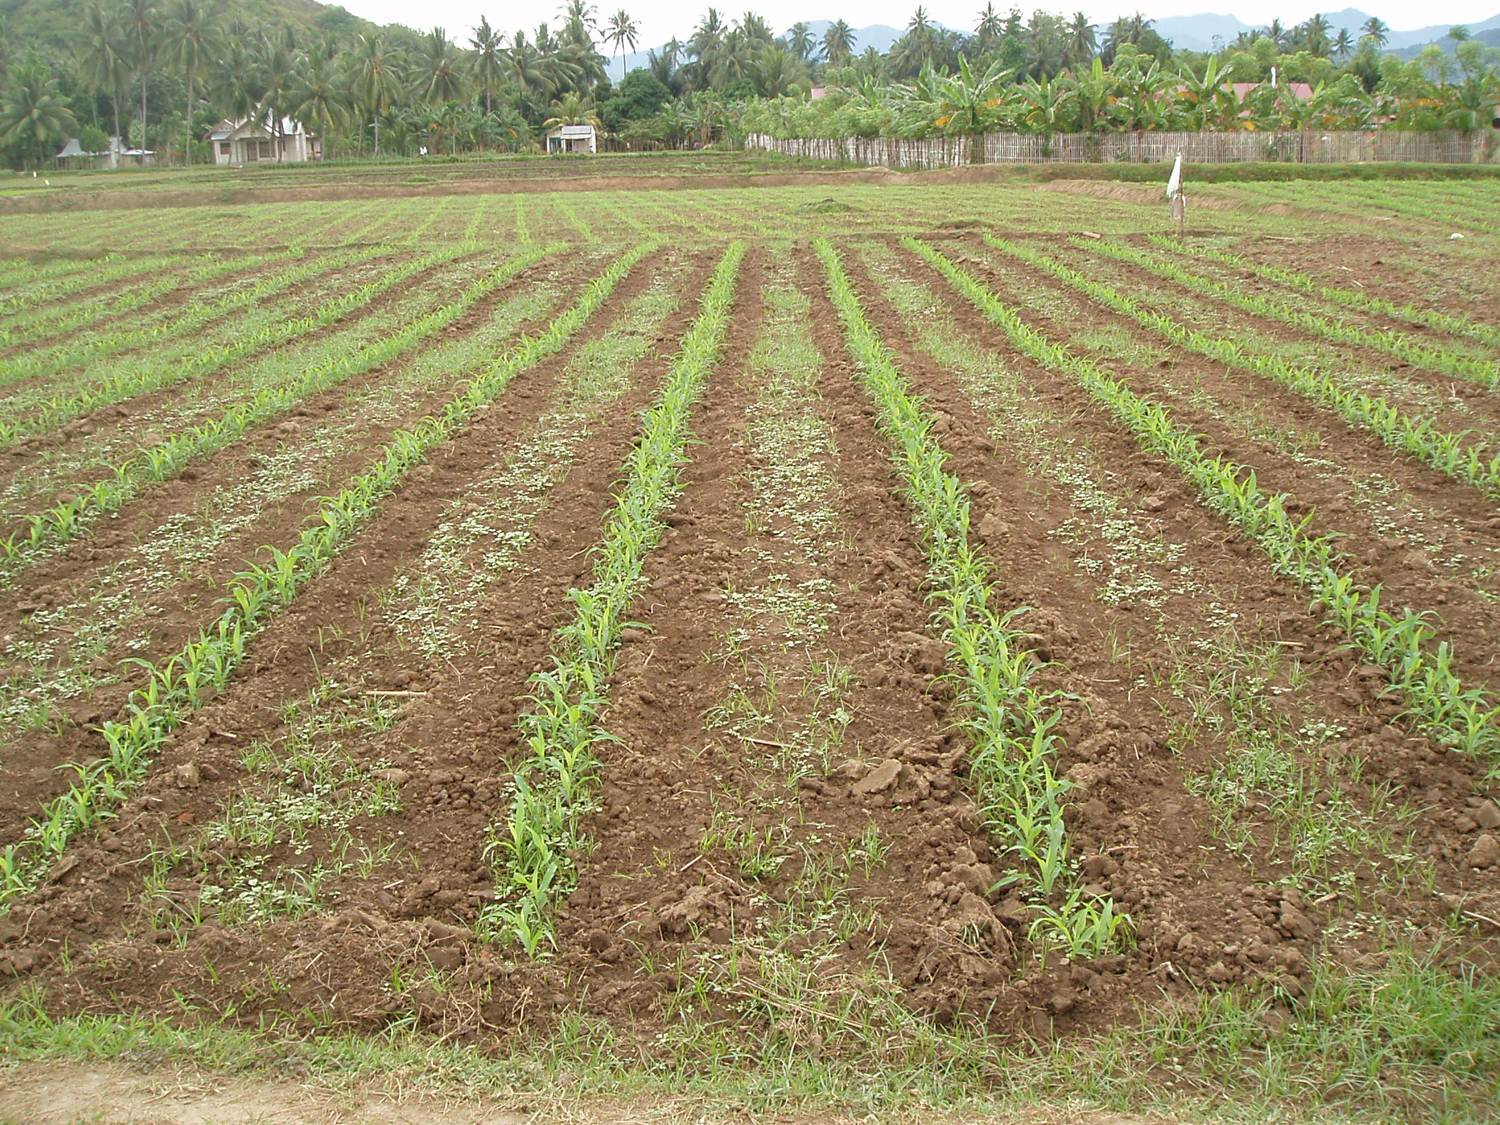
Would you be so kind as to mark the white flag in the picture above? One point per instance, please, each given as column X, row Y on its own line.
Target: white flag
column 1174, row 185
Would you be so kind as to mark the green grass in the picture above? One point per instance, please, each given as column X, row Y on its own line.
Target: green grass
column 1405, row 1037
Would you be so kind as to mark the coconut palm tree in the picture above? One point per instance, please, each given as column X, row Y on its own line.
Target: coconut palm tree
column 988, row 30
column 581, row 15
column 315, row 98
column 441, row 75
column 377, row 77
column 1081, row 40
column 190, row 41
column 839, row 42
column 524, row 71
column 105, row 67
column 800, row 41
column 488, row 46
column 572, row 109
column 1343, row 43
column 34, row 116
column 1376, row 29
column 234, row 80
column 1315, row 35
column 621, row 31
column 139, row 21
column 277, row 64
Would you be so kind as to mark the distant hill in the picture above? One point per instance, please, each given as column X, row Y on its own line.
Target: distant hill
column 1490, row 36
column 1197, row 33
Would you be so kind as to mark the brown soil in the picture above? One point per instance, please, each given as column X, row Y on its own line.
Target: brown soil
column 31, row 773
column 142, row 417
column 394, row 945
column 1439, row 510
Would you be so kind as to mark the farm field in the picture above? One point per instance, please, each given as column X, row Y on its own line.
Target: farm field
column 915, row 648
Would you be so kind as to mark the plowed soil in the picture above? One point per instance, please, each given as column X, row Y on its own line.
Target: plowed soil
column 1215, row 732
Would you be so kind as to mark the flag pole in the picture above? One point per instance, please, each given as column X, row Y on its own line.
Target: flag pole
column 1177, row 196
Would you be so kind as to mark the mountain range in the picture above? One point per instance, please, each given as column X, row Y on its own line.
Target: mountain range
column 1203, row 32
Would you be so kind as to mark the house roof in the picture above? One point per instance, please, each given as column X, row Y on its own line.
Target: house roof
column 232, row 128
column 1299, row 90
column 572, row 131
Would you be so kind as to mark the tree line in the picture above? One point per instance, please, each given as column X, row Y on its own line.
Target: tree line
column 160, row 73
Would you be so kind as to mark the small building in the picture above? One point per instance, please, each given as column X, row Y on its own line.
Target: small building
column 572, row 138
column 245, row 141
column 73, row 155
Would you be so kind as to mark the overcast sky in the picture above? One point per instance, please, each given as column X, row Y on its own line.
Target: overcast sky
column 659, row 20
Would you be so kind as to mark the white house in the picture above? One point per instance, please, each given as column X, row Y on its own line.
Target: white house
column 246, row 141
column 572, row 138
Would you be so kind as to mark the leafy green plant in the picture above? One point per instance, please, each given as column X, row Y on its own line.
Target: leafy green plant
column 533, row 851
column 1449, row 453
column 174, row 687
column 1465, row 718
column 1009, row 720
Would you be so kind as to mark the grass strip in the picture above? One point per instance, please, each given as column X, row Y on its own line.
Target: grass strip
column 147, row 378
column 1010, row 721
column 47, row 530
column 533, row 851
column 178, row 685
column 1463, row 718
column 1449, row 453
column 1482, row 371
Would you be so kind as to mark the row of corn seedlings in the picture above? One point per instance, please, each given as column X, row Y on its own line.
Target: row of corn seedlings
column 180, row 684
column 1009, row 718
column 534, row 850
column 1449, row 453
column 99, row 345
column 47, row 307
column 70, row 648
column 1443, row 361
column 142, row 380
column 1464, row 718
column 488, row 529
column 23, row 281
column 1392, row 198
column 1436, row 319
column 1142, row 568
column 1392, row 508
column 47, row 530
column 311, row 815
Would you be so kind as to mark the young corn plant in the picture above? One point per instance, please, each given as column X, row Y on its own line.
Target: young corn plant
column 534, row 850
column 174, row 688
column 1010, row 721
column 59, row 409
column 1449, row 453
column 1440, row 360
column 95, row 346
column 1463, row 718
column 48, row 530
column 1436, row 319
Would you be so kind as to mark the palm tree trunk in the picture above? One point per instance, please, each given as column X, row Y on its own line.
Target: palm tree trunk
column 143, row 119
column 187, row 143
